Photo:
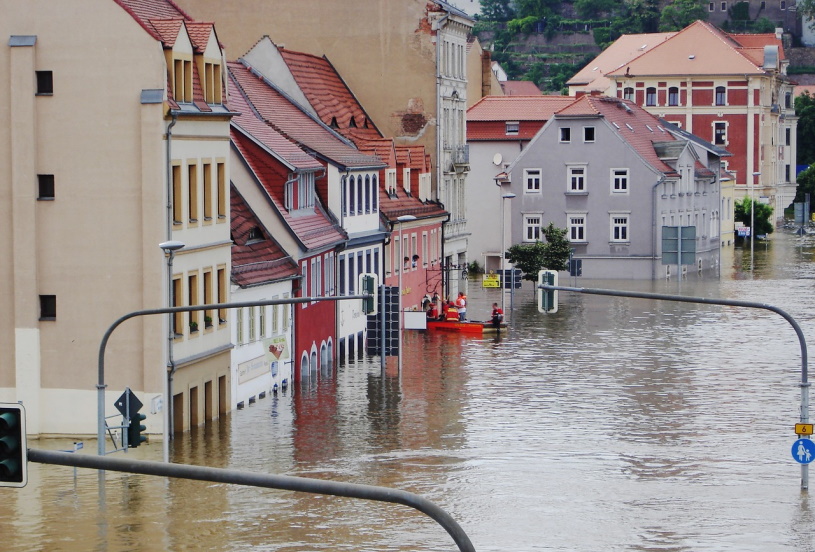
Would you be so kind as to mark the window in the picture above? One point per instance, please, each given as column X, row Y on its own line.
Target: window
column 221, row 167
column 286, row 313
column 222, row 294
column 673, row 96
column 239, row 325
column 588, row 134
column 721, row 95
column 261, row 322
column 783, row 5
column 513, row 128
column 720, row 133
column 48, row 307
column 45, row 83
column 45, row 185
column 192, row 183
column 788, row 100
column 619, row 180
column 208, row 298
column 532, row 228
column 207, row 191
column 619, row 228
column 711, row 7
column 577, row 179
column 724, row 6
column 787, row 135
column 352, row 195
column 650, row 96
column 628, row 93
column 577, row 228
column 786, row 173
column 178, row 205
column 192, row 300
column 275, row 315
column 178, row 317
column 375, row 194
column 252, row 336
column 565, row 135
column 368, row 193
column 532, row 179
column 182, row 80
column 212, row 84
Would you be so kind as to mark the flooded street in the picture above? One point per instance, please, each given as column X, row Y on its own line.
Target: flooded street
column 615, row 424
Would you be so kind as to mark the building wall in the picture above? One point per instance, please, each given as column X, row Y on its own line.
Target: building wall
column 95, row 245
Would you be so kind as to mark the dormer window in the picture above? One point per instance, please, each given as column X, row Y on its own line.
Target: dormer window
column 255, row 235
column 182, row 80
column 299, row 194
column 212, row 83
column 513, row 127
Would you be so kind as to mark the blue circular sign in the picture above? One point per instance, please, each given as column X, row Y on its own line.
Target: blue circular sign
column 803, row 451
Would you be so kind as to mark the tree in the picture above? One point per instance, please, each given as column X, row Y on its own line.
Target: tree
column 806, row 185
column 590, row 9
column 762, row 216
column 805, row 110
column 497, row 10
column 531, row 258
column 680, row 13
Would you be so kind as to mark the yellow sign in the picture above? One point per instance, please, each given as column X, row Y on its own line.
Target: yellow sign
column 803, row 429
column 491, row 281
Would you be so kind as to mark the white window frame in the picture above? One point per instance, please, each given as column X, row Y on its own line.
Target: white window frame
column 565, row 135
column 533, row 223
column 619, row 181
column 725, row 142
column 530, row 176
column 576, row 221
column 620, row 221
column 513, row 128
column 593, row 132
column 572, row 177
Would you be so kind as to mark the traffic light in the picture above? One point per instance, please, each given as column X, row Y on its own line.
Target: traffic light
column 547, row 299
column 134, row 430
column 368, row 285
column 13, row 447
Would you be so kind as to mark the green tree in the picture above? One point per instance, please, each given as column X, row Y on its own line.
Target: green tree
column 590, row 9
column 497, row 10
column 680, row 13
column 531, row 258
column 806, row 185
column 805, row 110
column 762, row 216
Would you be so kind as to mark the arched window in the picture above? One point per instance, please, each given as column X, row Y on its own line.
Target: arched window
column 352, row 195
column 721, row 95
column 650, row 96
column 673, row 96
column 628, row 93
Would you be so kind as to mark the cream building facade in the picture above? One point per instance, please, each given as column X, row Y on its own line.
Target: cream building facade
column 85, row 117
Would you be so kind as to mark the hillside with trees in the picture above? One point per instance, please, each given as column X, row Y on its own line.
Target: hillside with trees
column 548, row 41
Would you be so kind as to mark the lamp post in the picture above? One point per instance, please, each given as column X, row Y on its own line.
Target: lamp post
column 169, row 248
column 508, row 195
column 403, row 218
column 752, row 217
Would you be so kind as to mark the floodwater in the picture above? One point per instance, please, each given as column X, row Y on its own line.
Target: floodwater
column 614, row 425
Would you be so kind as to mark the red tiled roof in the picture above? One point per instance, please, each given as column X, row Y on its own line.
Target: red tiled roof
column 329, row 95
column 285, row 150
column 255, row 261
column 291, row 121
column 520, row 88
column 166, row 30
column 633, row 124
column 145, row 10
column 199, row 34
column 698, row 49
column 517, row 108
column 313, row 229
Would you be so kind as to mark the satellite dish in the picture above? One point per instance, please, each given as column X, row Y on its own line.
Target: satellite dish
column 496, row 159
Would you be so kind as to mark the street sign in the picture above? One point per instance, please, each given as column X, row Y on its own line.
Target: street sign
column 512, row 278
column 121, row 404
column 803, row 451
column 803, row 429
column 491, row 281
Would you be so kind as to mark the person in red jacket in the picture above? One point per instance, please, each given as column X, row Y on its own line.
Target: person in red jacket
column 497, row 315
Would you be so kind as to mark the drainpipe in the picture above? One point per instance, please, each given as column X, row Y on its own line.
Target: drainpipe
column 171, row 367
column 654, row 227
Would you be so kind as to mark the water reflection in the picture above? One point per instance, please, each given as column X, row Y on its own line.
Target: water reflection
column 616, row 424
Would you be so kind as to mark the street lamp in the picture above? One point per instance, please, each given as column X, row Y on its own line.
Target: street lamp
column 752, row 217
column 169, row 248
column 508, row 195
column 403, row 218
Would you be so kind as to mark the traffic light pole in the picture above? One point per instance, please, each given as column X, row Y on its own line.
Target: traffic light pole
column 804, row 385
column 101, row 385
column 270, row 481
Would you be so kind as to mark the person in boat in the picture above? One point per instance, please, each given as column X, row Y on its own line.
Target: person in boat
column 497, row 315
column 461, row 305
column 452, row 312
column 432, row 311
